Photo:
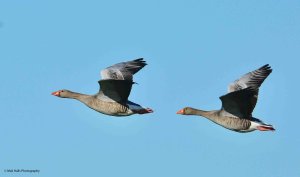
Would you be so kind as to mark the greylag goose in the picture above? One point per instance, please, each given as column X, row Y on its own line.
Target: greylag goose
column 115, row 87
column 238, row 104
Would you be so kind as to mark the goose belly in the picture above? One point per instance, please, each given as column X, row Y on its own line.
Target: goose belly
column 110, row 108
column 235, row 124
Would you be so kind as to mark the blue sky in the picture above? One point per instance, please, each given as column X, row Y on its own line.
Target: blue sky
column 194, row 49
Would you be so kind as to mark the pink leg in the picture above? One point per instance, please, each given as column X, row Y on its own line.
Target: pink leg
column 265, row 128
column 143, row 111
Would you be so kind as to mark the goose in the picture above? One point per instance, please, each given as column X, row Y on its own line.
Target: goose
column 115, row 87
column 238, row 104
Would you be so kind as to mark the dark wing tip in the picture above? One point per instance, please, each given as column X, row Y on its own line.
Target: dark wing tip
column 140, row 61
column 266, row 68
column 135, row 65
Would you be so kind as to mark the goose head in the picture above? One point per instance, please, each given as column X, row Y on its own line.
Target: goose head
column 186, row 111
column 62, row 93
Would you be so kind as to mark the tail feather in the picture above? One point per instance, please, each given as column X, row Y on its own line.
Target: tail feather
column 143, row 111
column 138, row 109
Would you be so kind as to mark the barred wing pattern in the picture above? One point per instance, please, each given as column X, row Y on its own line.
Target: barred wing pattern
column 252, row 79
column 243, row 93
column 124, row 70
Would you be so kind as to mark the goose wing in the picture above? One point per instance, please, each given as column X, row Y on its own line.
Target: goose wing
column 240, row 103
column 117, row 80
column 124, row 70
column 116, row 90
column 252, row 79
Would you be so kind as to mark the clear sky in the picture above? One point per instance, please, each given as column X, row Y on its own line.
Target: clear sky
column 194, row 49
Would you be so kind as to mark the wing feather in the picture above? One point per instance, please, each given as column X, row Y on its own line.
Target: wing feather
column 252, row 79
column 124, row 70
column 240, row 103
column 117, row 90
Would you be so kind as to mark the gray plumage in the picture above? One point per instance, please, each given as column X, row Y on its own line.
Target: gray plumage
column 116, row 80
column 252, row 79
column 238, row 104
column 243, row 93
column 123, row 71
column 115, row 88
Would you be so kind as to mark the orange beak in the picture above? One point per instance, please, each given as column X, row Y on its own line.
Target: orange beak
column 180, row 111
column 55, row 93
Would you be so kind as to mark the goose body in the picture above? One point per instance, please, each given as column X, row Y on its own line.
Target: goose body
column 115, row 87
column 238, row 104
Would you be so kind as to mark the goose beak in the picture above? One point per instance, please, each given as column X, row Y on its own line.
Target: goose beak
column 180, row 112
column 55, row 93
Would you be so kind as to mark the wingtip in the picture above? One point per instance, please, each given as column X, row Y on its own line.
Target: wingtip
column 141, row 61
column 266, row 66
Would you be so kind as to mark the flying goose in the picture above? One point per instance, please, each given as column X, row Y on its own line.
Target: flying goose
column 238, row 104
column 115, row 87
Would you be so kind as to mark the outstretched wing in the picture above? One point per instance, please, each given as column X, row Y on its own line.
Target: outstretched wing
column 124, row 70
column 252, row 79
column 116, row 81
column 240, row 103
column 117, row 90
